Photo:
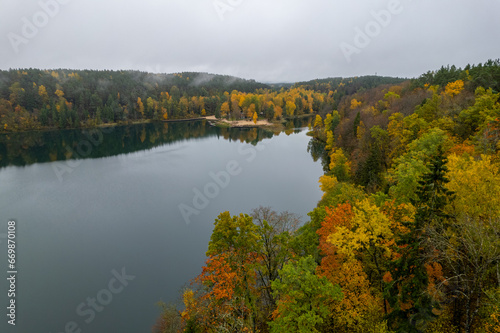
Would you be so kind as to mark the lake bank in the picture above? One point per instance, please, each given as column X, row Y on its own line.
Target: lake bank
column 276, row 125
column 240, row 123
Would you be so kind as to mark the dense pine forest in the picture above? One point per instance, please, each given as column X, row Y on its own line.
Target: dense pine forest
column 406, row 237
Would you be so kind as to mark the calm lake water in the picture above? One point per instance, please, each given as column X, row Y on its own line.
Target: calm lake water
column 110, row 222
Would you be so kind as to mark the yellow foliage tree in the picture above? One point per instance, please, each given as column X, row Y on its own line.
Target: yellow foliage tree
column 318, row 122
column 476, row 184
column 370, row 230
column 251, row 111
column 184, row 105
column 327, row 184
column 330, row 140
column 340, row 165
column 454, row 88
column 59, row 93
column 355, row 104
column 42, row 91
column 140, row 106
column 278, row 112
column 361, row 130
column 150, row 103
column 290, row 108
column 358, row 309
column 224, row 109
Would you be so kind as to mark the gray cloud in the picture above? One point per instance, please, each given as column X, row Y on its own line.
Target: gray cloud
column 266, row 40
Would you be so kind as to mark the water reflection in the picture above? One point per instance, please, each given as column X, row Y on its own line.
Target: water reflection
column 20, row 149
column 317, row 150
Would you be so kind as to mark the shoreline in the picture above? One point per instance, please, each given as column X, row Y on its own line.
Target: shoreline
column 211, row 119
column 239, row 123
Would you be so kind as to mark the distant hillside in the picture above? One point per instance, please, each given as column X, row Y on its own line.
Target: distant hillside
column 342, row 87
column 351, row 84
column 32, row 99
column 112, row 82
column 485, row 75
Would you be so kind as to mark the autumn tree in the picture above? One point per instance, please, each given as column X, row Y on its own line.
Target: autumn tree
column 454, row 88
column 470, row 251
column 399, row 135
column 472, row 178
column 355, row 104
column 340, row 166
column 290, row 108
column 408, row 168
column 224, row 110
column 278, row 112
column 469, row 248
column 150, row 104
column 367, row 235
column 169, row 321
column 353, row 312
column 318, row 126
column 229, row 279
column 251, row 111
column 304, row 298
column 430, row 110
column 275, row 231
column 183, row 106
column 255, row 117
column 42, row 92
column 17, row 93
column 355, row 124
column 407, row 289
column 140, row 107
column 473, row 121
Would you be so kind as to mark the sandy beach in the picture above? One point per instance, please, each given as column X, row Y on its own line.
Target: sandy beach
column 240, row 123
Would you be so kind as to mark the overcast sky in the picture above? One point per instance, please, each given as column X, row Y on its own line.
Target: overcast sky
column 265, row 40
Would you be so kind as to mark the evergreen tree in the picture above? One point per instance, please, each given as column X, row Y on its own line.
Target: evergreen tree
column 98, row 116
column 44, row 116
column 407, row 292
column 356, row 123
column 55, row 116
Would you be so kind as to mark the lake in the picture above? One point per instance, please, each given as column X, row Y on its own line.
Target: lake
column 111, row 221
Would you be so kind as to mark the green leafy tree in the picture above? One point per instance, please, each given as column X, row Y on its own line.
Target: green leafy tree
column 275, row 231
column 409, row 168
column 233, row 253
column 430, row 110
column 485, row 109
column 305, row 299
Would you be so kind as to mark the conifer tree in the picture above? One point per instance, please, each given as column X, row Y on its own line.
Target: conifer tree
column 407, row 291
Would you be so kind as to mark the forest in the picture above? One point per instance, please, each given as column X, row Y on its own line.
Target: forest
column 32, row 99
column 406, row 237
